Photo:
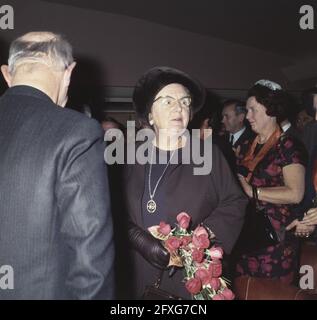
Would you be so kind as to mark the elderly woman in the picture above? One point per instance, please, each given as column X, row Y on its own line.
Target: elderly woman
column 273, row 171
column 166, row 99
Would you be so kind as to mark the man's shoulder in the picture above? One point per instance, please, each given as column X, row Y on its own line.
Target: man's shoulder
column 79, row 122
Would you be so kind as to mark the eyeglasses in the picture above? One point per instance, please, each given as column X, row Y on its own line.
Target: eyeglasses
column 170, row 102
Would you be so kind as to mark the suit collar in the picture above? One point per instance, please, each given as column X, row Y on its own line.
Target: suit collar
column 28, row 91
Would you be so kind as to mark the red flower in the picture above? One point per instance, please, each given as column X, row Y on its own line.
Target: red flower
column 164, row 228
column 173, row 243
column 215, row 268
column 214, row 283
column 202, row 266
column 198, row 255
column 201, row 242
column 218, row 296
column 201, row 238
column 200, row 231
column 186, row 241
column 228, row 294
column 216, row 253
column 193, row 285
column 183, row 220
column 202, row 275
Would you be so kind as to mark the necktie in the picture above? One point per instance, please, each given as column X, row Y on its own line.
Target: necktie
column 231, row 139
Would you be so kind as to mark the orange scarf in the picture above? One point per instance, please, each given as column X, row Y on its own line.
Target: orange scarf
column 251, row 161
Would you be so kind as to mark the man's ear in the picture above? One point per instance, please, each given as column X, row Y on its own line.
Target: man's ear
column 241, row 117
column 68, row 73
column 6, row 74
column 151, row 122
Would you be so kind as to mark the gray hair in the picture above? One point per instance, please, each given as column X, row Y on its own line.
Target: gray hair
column 55, row 49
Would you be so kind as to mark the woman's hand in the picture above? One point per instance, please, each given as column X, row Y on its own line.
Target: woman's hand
column 150, row 248
column 310, row 218
column 245, row 185
column 301, row 229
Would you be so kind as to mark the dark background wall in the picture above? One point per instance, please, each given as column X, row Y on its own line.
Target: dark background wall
column 114, row 49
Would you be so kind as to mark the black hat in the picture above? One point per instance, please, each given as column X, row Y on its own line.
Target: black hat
column 155, row 79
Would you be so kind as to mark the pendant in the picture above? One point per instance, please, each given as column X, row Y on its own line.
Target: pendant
column 151, row 206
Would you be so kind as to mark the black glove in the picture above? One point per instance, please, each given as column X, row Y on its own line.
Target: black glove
column 150, row 248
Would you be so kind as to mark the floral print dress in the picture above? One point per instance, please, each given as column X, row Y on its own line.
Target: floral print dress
column 279, row 261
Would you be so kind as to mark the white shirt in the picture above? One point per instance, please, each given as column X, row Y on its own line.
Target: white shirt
column 286, row 126
column 236, row 135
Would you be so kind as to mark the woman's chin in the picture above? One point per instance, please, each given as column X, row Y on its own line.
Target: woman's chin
column 176, row 130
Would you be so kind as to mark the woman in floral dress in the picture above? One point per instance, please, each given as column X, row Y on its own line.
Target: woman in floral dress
column 273, row 169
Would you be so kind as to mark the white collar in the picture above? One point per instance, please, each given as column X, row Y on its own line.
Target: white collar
column 286, row 126
column 237, row 135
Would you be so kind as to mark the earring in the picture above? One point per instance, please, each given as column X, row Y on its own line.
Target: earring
column 151, row 122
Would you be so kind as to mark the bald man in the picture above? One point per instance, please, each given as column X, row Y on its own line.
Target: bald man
column 55, row 221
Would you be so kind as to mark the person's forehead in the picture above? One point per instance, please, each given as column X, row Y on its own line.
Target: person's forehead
column 251, row 102
column 173, row 89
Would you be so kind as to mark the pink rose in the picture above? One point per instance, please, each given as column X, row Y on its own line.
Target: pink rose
column 198, row 255
column 216, row 253
column 215, row 268
column 199, row 264
column 218, row 296
column 183, row 220
column 200, row 231
column 201, row 242
column 172, row 243
column 164, row 228
column 201, row 238
column 228, row 294
column 202, row 275
column 214, row 283
column 193, row 285
column 186, row 241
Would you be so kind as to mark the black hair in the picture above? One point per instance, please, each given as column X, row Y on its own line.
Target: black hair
column 239, row 106
column 278, row 103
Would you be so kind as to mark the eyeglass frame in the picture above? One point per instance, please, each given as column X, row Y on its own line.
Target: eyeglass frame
column 176, row 100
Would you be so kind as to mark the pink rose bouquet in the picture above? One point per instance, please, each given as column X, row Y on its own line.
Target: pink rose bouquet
column 193, row 250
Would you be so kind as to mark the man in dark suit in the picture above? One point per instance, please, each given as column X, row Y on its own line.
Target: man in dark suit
column 233, row 118
column 56, row 227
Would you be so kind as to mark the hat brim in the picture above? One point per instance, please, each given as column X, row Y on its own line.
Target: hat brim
column 155, row 79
